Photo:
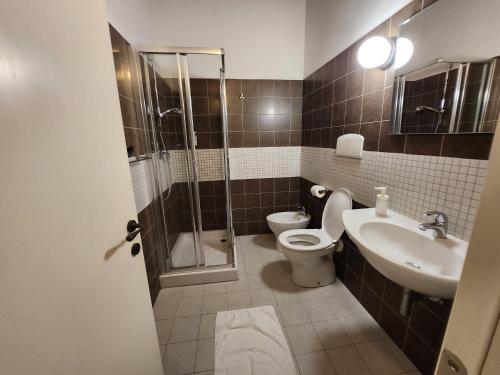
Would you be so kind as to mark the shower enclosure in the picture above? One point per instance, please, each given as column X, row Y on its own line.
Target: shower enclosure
column 184, row 107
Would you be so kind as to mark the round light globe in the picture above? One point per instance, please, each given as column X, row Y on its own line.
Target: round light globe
column 374, row 52
column 404, row 52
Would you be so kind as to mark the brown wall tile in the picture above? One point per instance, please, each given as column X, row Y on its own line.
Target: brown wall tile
column 363, row 96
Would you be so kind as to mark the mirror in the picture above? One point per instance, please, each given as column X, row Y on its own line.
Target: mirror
column 451, row 84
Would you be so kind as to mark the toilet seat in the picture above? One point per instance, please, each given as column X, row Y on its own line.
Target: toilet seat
column 305, row 239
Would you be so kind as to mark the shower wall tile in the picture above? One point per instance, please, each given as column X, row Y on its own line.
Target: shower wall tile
column 261, row 113
column 213, row 204
column 264, row 162
column 128, row 93
column 137, row 144
column 264, row 113
column 245, row 163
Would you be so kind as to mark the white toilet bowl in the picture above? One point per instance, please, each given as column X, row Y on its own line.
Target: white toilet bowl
column 310, row 250
column 283, row 221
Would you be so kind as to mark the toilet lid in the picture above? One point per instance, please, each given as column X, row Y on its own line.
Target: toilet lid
column 339, row 201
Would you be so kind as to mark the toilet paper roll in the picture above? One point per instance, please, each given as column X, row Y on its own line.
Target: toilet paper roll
column 318, row 191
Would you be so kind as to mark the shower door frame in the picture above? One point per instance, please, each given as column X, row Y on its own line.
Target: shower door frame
column 181, row 55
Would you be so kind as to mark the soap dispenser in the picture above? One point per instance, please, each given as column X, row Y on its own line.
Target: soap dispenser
column 382, row 201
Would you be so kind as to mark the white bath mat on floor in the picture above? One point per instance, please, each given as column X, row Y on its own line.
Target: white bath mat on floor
column 251, row 342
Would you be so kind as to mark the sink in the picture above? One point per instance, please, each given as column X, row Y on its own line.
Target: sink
column 400, row 251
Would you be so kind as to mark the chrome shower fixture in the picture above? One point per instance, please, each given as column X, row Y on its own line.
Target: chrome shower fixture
column 175, row 110
column 420, row 108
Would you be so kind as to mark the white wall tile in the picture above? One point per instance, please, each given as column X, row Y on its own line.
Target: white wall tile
column 264, row 162
column 415, row 183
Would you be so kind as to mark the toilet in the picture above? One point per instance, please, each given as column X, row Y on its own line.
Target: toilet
column 310, row 250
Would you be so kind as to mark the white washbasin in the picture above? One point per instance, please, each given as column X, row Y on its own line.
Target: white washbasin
column 406, row 255
column 282, row 221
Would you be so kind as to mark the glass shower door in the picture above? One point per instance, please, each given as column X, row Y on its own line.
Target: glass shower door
column 191, row 157
column 171, row 159
column 185, row 100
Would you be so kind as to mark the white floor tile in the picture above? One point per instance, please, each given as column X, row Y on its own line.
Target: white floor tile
column 169, row 294
column 214, row 303
column 192, row 291
column 334, row 290
column 285, row 294
column 347, row 361
column 400, row 356
column 345, row 306
column 165, row 308
column 380, row 358
column 293, row 314
column 309, row 294
column 255, row 281
column 205, row 355
column 303, row 339
column 207, row 326
column 163, row 328
column 314, row 364
column 362, row 328
column 254, row 266
column 215, row 288
column 238, row 285
column 316, row 319
column 275, row 275
column 162, row 351
column 238, row 300
column 180, row 358
column 318, row 310
column 189, row 306
column 262, row 297
column 185, row 329
column 331, row 334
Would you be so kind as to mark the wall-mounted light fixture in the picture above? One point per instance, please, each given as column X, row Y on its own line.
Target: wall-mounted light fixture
column 382, row 53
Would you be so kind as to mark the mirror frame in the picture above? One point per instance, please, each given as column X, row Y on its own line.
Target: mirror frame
column 457, row 98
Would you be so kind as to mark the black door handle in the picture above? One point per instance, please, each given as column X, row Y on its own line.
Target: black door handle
column 134, row 228
column 133, row 225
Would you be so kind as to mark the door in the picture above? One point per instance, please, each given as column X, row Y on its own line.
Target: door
column 73, row 298
column 476, row 308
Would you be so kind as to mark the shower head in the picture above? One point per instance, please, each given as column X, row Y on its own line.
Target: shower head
column 421, row 108
column 175, row 110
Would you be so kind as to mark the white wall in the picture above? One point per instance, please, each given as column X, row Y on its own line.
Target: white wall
column 261, row 38
column 333, row 25
column 465, row 36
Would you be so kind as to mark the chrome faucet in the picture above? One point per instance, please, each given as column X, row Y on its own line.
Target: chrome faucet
column 302, row 210
column 438, row 225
